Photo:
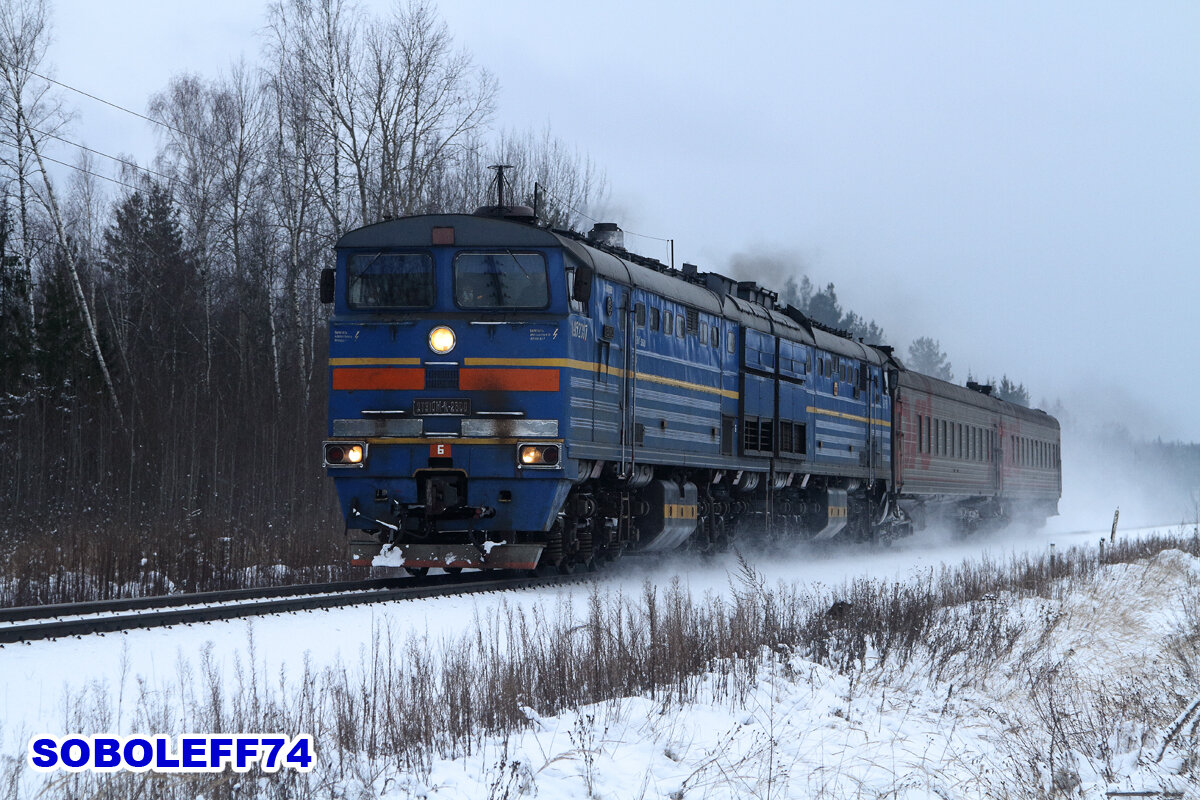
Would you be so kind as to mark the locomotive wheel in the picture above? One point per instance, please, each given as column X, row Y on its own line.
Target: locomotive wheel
column 417, row 572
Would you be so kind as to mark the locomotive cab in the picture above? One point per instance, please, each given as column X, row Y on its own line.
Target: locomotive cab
column 447, row 342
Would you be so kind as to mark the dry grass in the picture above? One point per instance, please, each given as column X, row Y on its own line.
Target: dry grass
column 77, row 560
column 408, row 703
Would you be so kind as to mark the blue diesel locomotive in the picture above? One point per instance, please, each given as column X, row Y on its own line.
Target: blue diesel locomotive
column 503, row 395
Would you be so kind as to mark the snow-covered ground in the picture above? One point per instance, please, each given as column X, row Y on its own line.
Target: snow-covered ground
column 808, row 732
column 33, row 677
column 803, row 730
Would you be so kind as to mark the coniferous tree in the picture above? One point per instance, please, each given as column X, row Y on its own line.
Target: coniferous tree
column 63, row 360
column 824, row 307
column 155, row 283
column 15, row 329
column 925, row 356
column 859, row 328
column 1012, row 392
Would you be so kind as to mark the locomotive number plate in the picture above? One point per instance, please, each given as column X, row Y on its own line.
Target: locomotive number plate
column 455, row 406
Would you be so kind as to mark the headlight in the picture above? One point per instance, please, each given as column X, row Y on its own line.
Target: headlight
column 538, row 455
column 441, row 340
column 345, row 454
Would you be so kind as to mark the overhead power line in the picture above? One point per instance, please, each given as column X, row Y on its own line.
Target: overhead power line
column 118, row 159
column 81, row 169
column 195, row 137
column 262, row 162
column 102, row 100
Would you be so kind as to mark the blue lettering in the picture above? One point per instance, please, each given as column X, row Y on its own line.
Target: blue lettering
column 271, row 763
column 46, row 753
column 299, row 756
column 192, row 751
column 143, row 759
column 85, row 752
column 162, row 756
column 187, row 752
column 108, row 752
column 247, row 751
column 219, row 749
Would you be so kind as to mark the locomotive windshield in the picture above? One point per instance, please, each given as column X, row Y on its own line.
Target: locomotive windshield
column 390, row 280
column 501, row 280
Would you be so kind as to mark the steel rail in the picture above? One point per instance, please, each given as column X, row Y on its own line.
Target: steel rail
column 413, row 589
column 20, row 613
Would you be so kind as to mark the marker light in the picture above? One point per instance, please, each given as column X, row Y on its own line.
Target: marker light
column 536, row 455
column 441, row 340
column 345, row 454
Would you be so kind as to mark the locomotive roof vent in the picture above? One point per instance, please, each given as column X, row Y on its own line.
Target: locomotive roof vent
column 749, row 290
column 982, row 388
column 607, row 234
column 511, row 213
column 795, row 314
column 719, row 284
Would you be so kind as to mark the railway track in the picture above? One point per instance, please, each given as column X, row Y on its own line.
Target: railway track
column 31, row 623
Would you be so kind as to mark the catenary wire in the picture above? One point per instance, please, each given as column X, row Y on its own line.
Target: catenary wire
column 87, row 171
column 118, row 159
column 193, row 136
column 202, row 140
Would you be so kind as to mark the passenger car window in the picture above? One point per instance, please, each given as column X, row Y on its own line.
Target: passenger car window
column 389, row 280
column 501, row 280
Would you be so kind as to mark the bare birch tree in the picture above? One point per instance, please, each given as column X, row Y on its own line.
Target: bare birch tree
column 568, row 184
column 447, row 100
column 295, row 173
column 26, row 103
column 240, row 127
column 315, row 46
column 24, row 37
column 190, row 158
column 397, row 103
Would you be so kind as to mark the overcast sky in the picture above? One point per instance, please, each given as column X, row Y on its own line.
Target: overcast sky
column 1018, row 180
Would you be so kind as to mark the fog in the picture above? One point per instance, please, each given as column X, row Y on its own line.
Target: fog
column 1019, row 181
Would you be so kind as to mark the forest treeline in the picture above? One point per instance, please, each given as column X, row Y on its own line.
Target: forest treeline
column 162, row 347
column 924, row 354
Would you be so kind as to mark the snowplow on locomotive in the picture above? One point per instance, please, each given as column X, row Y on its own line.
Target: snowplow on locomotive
column 503, row 395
